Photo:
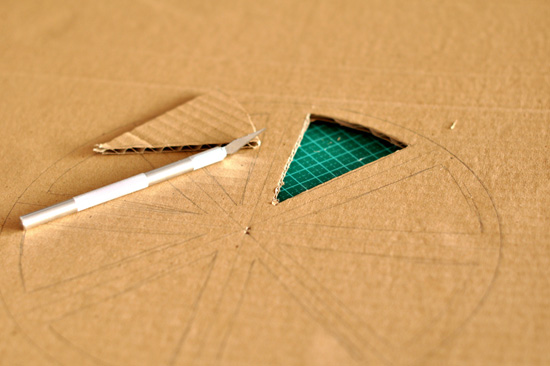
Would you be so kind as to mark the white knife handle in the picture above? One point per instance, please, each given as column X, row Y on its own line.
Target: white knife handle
column 123, row 187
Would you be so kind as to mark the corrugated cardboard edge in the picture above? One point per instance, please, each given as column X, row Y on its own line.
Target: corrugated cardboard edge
column 307, row 121
column 355, row 126
column 221, row 119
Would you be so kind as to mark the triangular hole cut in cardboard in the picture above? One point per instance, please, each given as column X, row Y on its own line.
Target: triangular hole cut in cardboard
column 208, row 120
column 328, row 149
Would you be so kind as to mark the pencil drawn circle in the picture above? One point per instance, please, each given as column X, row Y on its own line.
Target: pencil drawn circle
column 183, row 270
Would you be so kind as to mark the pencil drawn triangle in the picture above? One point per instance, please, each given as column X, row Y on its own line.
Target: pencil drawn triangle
column 228, row 180
column 208, row 120
column 147, row 308
column 394, row 207
column 282, row 311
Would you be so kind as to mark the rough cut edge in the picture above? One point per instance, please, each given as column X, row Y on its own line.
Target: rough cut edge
column 103, row 149
column 313, row 117
column 99, row 148
column 359, row 127
column 307, row 122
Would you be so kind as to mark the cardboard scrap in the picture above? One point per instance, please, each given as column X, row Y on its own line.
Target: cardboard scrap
column 437, row 254
column 209, row 120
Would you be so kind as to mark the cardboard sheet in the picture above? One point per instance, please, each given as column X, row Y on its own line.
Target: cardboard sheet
column 437, row 254
column 209, row 120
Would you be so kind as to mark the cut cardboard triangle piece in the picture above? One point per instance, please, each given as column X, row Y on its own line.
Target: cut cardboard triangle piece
column 209, row 120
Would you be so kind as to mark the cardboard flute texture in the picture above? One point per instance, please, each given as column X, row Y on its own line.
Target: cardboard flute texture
column 436, row 254
column 206, row 121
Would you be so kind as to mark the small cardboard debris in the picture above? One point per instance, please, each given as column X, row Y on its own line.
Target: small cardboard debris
column 209, row 120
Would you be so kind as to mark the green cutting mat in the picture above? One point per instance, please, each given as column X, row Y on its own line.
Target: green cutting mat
column 327, row 151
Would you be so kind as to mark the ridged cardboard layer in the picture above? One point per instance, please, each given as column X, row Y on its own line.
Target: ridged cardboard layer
column 209, row 120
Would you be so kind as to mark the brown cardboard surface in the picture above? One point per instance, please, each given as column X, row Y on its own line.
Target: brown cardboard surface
column 437, row 254
column 209, row 120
